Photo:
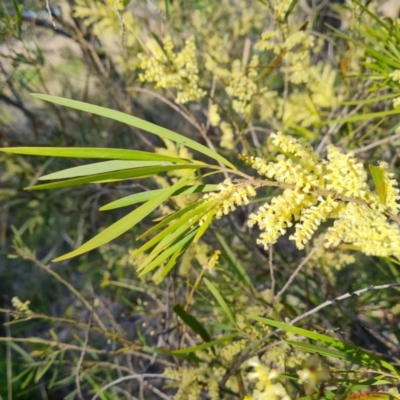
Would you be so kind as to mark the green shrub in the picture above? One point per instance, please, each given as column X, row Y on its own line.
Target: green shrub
column 277, row 199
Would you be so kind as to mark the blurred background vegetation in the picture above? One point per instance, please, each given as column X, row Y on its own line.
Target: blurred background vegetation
column 89, row 50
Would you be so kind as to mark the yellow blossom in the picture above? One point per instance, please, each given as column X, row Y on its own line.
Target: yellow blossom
column 169, row 70
column 241, row 88
column 395, row 75
column 266, row 388
column 227, row 139
column 344, row 174
column 274, row 218
column 281, row 7
column 316, row 196
column 213, row 115
column 314, row 372
column 367, row 229
column 229, row 196
column 396, row 102
column 311, row 218
column 22, row 307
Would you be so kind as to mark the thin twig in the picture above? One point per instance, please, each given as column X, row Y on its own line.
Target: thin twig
column 376, row 144
column 342, row 297
column 271, row 272
column 255, row 347
column 46, row 268
column 127, row 378
column 157, row 391
column 8, row 360
column 126, row 351
column 297, row 270
column 121, row 23
column 50, row 14
column 336, row 126
column 80, row 361
column 175, row 107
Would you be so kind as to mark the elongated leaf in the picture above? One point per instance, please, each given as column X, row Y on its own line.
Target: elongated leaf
column 324, row 351
column 358, row 355
column 204, row 226
column 113, row 176
column 137, row 122
column 204, row 345
column 165, row 240
column 183, row 220
column 90, row 152
column 41, row 371
column 99, row 168
column 168, row 237
column 371, row 100
column 144, row 196
column 173, row 260
column 378, row 177
column 167, row 253
column 127, row 222
column 221, row 301
column 192, row 322
column 363, row 117
column 177, row 229
column 173, row 216
column 234, row 262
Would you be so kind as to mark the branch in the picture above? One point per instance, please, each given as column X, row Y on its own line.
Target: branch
column 342, row 297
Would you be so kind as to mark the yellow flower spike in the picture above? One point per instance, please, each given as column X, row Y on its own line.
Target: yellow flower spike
column 170, row 70
column 21, row 306
column 314, row 372
column 212, row 261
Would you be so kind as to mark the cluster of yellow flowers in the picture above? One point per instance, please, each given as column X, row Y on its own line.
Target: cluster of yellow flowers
column 191, row 381
column 395, row 75
column 303, row 104
column 318, row 189
column 208, row 373
column 241, row 86
column 313, row 372
column 20, row 306
column 106, row 22
column 266, row 386
column 172, row 71
column 281, row 7
column 229, row 197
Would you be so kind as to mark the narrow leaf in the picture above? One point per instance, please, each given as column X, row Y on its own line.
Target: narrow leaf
column 167, row 253
column 137, row 122
column 113, row 176
column 204, row 226
column 378, row 177
column 221, row 301
column 234, row 262
column 90, row 152
column 324, row 351
column 127, row 222
column 358, row 355
column 192, row 322
column 370, row 100
column 363, row 117
column 172, row 261
column 173, row 216
column 41, row 371
column 203, row 346
column 99, row 168
column 144, row 196
column 183, row 220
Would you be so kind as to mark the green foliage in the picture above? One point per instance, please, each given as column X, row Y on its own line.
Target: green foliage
column 260, row 213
